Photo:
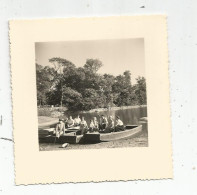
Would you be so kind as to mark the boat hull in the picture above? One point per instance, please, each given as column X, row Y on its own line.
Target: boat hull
column 70, row 138
column 131, row 131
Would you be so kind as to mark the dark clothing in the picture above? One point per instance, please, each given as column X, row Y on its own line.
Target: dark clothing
column 103, row 126
column 84, row 131
column 103, row 123
column 119, row 128
column 108, row 130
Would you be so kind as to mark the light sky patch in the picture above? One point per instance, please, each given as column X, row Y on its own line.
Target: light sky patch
column 116, row 55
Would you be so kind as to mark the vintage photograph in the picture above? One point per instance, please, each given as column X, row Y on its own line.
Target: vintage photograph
column 87, row 91
column 91, row 94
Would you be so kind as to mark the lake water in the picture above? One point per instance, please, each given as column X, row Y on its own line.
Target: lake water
column 128, row 116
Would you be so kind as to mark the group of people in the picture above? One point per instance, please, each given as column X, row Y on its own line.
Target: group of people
column 103, row 125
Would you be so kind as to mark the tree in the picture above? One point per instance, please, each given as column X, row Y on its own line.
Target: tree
column 140, row 90
column 83, row 88
column 93, row 65
column 106, row 89
column 45, row 82
column 122, row 89
column 60, row 66
column 60, row 63
column 127, row 78
column 71, row 98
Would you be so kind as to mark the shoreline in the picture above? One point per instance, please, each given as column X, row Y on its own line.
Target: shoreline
column 57, row 112
column 44, row 121
column 113, row 108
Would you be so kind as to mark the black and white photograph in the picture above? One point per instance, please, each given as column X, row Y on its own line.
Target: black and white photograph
column 91, row 94
column 98, row 97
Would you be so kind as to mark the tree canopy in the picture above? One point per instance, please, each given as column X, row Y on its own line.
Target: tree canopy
column 83, row 88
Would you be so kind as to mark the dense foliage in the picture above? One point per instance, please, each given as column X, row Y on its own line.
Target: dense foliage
column 82, row 88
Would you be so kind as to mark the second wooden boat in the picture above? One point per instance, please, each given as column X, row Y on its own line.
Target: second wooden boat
column 70, row 138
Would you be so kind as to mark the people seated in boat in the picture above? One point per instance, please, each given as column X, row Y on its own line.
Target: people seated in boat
column 103, row 123
column 100, row 122
column 96, row 124
column 66, row 122
column 110, row 126
column 77, row 121
column 119, row 125
column 91, row 126
column 60, row 128
column 70, row 122
column 83, row 126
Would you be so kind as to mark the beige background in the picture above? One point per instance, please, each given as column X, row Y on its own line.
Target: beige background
column 32, row 166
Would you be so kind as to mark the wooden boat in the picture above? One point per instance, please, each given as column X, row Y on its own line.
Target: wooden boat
column 45, row 132
column 72, row 136
column 48, row 130
column 73, row 129
column 129, row 132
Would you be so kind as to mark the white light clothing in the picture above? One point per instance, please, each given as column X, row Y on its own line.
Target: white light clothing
column 70, row 122
column 83, row 127
column 77, row 121
column 83, row 124
column 110, row 123
column 60, row 129
column 96, row 125
column 92, row 125
column 119, row 122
